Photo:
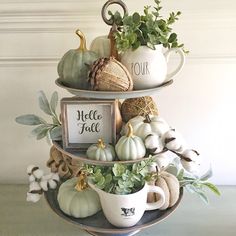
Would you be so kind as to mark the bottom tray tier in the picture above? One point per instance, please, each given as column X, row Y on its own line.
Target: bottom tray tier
column 99, row 226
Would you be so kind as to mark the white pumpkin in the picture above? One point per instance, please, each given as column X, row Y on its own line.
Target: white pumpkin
column 102, row 46
column 152, row 124
column 130, row 147
column 101, row 152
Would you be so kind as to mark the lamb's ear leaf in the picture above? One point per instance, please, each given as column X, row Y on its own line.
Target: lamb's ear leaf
column 56, row 133
column 43, row 133
column 30, row 119
column 39, row 129
column 43, row 103
column 53, row 102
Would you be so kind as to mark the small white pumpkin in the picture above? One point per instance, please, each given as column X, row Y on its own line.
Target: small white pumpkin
column 102, row 46
column 130, row 147
column 77, row 199
column 101, row 152
column 151, row 124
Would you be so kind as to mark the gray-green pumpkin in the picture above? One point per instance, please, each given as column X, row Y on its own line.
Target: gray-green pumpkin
column 77, row 199
column 101, row 151
column 74, row 65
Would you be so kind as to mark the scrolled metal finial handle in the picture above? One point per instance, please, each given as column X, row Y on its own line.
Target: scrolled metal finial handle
column 105, row 7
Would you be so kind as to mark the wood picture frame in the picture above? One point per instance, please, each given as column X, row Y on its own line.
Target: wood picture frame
column 85, row 121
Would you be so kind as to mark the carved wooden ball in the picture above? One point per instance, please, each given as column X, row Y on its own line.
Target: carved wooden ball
column 138, row 107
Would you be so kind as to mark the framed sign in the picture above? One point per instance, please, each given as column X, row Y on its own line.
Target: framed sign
column 85, row 121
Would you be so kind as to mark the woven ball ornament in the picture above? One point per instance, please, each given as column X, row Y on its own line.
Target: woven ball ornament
column 142, row 106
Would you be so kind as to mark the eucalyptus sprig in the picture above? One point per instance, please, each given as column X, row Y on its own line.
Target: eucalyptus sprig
column 149, row 29
column 120, row 178
column 52, row 130
column 198, row 185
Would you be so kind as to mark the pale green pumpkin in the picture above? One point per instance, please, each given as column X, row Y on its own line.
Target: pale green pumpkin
column 130, row 147
column 74, row 66
column 102, row 46
column 101, row 152
column 77, row 201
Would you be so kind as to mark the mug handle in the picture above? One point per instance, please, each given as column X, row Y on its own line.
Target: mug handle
column 180, row 66
column 159, row 203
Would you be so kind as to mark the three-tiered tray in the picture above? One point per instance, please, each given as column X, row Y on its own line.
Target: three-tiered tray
column 98, row 224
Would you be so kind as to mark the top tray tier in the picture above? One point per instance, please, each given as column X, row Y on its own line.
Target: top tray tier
column 112, row 94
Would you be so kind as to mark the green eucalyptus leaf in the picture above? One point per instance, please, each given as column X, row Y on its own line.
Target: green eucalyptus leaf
column 136, row 18
column 30, row 119
column 43, row 103
column 212, row 187
column 172, row 38
column 54, row 102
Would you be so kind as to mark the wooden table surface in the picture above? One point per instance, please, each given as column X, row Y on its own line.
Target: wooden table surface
column 192, row 218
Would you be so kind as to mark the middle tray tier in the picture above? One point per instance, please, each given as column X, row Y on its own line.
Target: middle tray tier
column 81, row 156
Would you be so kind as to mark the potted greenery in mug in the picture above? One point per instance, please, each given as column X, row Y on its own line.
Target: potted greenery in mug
column 123, row 191
column 140, row 41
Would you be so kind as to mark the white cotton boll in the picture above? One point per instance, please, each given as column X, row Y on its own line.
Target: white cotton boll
column 154, row 144
column 30, row 168
column 44, row 185
column 33, row 197
column 191, row 154
column 52, row 184
column 176, row 144
column 34, row 186
column 162, row 161
column 47, row 177
column 31, row 178
column 38, row 174
column 192, row 166
column 55, row 176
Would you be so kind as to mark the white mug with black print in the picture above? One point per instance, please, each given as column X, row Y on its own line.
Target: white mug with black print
column 127, row 210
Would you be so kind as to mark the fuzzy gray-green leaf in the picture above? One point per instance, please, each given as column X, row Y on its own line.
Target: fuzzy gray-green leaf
column 43, row 103
column 56, row 133
column 39, row 129
column 53, row 102
column 43, row 133
column 30, row 119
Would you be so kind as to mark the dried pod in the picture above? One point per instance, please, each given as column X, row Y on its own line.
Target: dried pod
column 108, row 74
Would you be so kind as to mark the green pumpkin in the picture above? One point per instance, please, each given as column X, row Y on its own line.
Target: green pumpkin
column 101, row 152
column 130, row 147
column 74, row 66
column 77, row 201
column 102, row 46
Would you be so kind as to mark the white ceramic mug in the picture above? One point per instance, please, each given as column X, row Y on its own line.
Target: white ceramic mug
column 127, row 210
column 148, row 67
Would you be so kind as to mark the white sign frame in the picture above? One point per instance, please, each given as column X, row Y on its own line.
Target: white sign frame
column 85, row 121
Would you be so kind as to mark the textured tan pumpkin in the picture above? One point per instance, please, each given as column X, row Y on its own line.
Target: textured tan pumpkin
column 108, row 74
column 138, row 107
column 170, row 185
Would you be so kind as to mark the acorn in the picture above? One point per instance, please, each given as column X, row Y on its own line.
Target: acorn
column 108, row 74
